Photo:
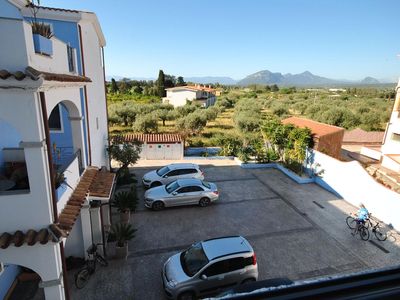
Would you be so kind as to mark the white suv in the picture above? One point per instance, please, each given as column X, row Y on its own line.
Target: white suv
column 171, row 173
column 208, row 267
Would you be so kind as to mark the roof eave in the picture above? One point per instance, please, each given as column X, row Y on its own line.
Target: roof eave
column 91, row 17
column 18, row 3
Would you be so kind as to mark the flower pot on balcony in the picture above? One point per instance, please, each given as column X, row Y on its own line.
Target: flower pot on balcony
column 42, row 45
column 125, row 216
column 121, row 252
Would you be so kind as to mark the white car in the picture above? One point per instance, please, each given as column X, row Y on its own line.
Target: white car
column 171, row 173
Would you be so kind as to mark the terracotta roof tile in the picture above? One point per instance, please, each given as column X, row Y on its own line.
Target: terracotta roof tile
column 153, row 138
column 35, row 75
column 31, row 237
column 359, row 136
column 72, row 209
column 70, row 213
column 317, row 128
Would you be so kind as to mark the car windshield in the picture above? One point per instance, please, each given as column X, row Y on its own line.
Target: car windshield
column 162, row 171
column 206, row 184
column 193, row 259
column 171, row 187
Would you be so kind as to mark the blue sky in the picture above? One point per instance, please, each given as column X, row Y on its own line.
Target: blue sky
column 347, row 39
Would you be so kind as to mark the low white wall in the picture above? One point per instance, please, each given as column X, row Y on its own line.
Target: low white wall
column 355, row 185
column 375, row 154
column 389, row 163
column 72, row 178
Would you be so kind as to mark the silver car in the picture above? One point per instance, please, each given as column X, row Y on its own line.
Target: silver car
column 181, row 192
column 209, row 266
column 171, row 173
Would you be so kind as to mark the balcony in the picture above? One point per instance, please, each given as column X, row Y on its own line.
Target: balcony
column 68, row 168
column 13, row 172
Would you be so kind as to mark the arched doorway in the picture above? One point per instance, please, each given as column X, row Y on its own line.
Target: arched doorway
column 19, row 283
column 66, row 134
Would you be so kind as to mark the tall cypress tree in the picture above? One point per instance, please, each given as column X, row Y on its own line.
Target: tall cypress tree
column 161, row 84
column 114, row 87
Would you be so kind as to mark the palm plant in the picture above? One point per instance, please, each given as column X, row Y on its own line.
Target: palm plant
column 122, row 233
column 126, row 201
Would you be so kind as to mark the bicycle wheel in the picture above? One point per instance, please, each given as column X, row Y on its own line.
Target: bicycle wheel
column 351, row 222
column 380, row 235
column 364, row 233
column 101, row 260
column 82, row 278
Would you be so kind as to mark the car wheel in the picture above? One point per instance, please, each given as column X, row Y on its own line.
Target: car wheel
column 187, row 296
column 155, row 183
column 248, row 280
column 158, row 205
column 204, row 202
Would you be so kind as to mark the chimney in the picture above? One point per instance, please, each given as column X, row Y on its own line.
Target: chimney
column 209, row 86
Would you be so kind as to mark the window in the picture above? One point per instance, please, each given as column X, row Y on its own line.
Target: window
column 218, row 268
column 162, row 171
column 55, row 122
column 185, row 189
column 396, row 137
column 71, row 59
column 193, row 259
column 174, row 173
column 171, row 187
column 196, row 188
column 190, row 189
column 236, row 264
column 187, row 171
column 227, row 266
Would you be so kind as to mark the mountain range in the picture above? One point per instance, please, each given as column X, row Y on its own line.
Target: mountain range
column 303, row 79
column 266, row 77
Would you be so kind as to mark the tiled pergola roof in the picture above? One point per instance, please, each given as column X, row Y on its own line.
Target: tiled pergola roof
column 34, row 74
column 93, row 181
column 102, row 184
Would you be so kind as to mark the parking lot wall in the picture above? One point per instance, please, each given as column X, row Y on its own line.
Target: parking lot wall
column 355, row 185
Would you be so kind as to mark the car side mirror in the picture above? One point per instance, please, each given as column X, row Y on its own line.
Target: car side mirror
column 204, row 277
column 165, row 176
column 174, row 193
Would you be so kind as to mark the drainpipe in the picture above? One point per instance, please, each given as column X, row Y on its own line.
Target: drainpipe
column 53, row 189
column 85, row 94
column 105, row 97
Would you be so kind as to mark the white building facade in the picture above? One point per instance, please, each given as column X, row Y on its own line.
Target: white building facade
column 391, row 144
column 53, row 122
column 389, row 152
column 181, row 95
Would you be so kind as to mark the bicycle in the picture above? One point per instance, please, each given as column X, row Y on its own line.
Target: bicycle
column 83, row 275
column 376, row 229
column 362, row 230
column 380, row 236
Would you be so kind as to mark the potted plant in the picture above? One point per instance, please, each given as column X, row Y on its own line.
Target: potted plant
column 125, row 202
column 41, row 32
column 125, row 153
column 121, row 234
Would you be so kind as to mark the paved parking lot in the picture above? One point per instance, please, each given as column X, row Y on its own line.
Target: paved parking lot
column 297, row 231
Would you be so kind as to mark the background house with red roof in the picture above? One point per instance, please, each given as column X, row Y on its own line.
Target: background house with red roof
column 180, row 95
column 327, row 138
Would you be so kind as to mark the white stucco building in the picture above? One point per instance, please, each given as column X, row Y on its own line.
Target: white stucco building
column 179, row 96
column 389, row 152
column 53, row 120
